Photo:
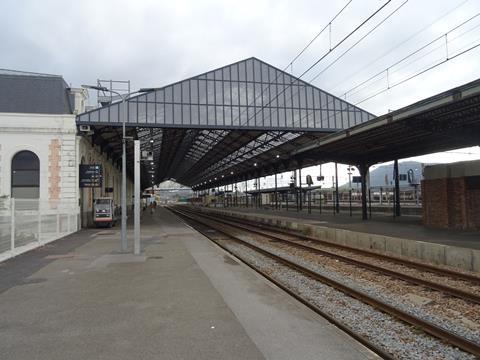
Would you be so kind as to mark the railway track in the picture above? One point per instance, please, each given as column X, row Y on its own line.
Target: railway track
column 273, row 234
column 475, row 279
column 221, row 225
column 417, row 265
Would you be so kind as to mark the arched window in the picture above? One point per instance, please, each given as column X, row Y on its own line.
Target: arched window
column 25, row 175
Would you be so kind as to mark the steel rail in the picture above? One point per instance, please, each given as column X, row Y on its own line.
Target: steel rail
column 420, row 266
column 458, row 293
column 426, row 326
column 361, row 339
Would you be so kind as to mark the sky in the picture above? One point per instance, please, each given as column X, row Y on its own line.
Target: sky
column 154, row 43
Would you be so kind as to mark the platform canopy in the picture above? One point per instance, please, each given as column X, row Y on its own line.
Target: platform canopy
column 227, row 122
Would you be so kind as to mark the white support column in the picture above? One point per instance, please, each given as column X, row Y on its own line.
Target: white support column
column 39, row 224
column 136, row 216
column 58, row 223
column 12, row 224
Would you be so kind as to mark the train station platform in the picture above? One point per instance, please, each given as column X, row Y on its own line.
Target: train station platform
column 404, row 235
column 183, row 298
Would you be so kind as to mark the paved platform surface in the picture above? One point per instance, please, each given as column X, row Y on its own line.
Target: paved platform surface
column 407, row 227
column 183, row 298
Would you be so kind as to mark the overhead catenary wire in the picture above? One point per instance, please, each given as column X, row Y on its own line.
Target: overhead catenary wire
column 431, row 66
column 290, row 64
column 331, row 49
column 400, row 44
column 358, row 41
column 328, row 26
column 346, row 37
column 412, row 53
column 420, row 73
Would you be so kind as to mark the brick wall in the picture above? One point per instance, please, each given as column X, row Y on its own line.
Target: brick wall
column 452, row 202
column 457, row 211
column 472, row 202
column 435, row 202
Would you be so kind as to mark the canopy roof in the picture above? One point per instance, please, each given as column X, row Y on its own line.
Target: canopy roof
column 226, row 122
column 446, row 121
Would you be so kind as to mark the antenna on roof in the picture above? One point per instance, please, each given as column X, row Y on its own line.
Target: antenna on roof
column 105, row 98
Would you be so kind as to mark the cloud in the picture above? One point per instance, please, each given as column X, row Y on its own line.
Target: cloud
column 154, row 43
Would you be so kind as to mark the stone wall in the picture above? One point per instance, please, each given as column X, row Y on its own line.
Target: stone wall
column 53, row 138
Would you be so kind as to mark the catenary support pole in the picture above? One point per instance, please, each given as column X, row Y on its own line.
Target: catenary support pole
column 363, row 168
column 136, row 211
column 124, row 240
column 300, row 204
column 246, row 194
column 337, row 198
column 397, row 188
column 276, row 192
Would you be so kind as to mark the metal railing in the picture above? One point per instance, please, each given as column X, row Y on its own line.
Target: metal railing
column 29, row 223
column 379, row 200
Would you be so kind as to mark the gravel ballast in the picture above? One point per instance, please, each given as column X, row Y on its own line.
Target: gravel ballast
column 396, row 337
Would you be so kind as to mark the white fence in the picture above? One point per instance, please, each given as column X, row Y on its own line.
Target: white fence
column 29, row 223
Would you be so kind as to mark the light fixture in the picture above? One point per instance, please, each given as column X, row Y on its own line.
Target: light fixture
column 254, row 164
column 223, row 176
column 151, row 141
column 277, row 156
column 231, row 172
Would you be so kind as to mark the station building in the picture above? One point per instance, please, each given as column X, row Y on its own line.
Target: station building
column 41, row 148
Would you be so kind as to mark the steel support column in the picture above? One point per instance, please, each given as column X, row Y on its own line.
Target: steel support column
column 136, row 212
column 276, row 193
column 397, row 188
column 337, row 197
column 363, row 168
column 300, row 205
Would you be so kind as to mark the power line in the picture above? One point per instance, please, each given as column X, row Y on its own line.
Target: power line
column 412, row 53
column 421, row 72
column 316, row 36
column 358, row 27
column 358, row 41
column 326, row 54
column 296, row 57
column 429, row 67
column 401, row 43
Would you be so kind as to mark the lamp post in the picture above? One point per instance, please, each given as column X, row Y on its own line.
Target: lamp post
column 349, row 172
column 124, row 97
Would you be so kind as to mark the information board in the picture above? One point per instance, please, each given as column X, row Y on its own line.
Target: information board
column 90, row 175
column 356, row 179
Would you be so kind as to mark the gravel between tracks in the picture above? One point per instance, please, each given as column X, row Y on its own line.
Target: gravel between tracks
column 403, row 341
column 376, row 290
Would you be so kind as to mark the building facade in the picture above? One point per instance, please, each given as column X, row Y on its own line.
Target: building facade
column 41, row 149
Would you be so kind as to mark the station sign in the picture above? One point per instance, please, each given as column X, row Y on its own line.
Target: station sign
column 356, row 179
column 90, row 175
